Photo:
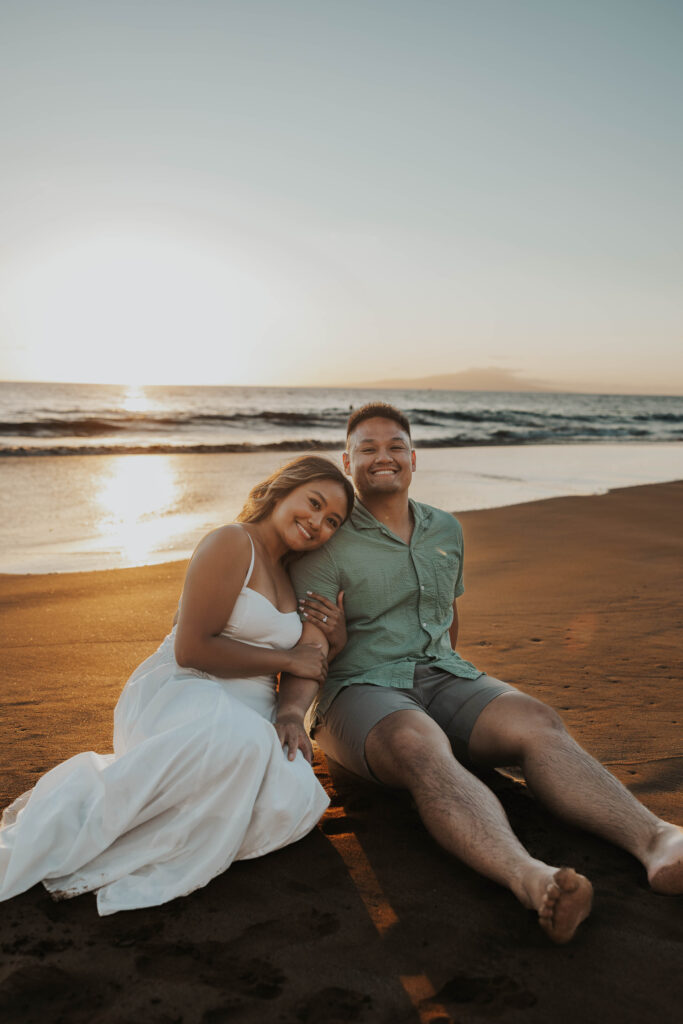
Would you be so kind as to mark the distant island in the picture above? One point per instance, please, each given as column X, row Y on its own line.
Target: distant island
column 489, row 378
column 492, row 378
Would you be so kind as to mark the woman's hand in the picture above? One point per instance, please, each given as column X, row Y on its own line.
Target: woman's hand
column 307, row 661
column 328, row 617
column 292, row 734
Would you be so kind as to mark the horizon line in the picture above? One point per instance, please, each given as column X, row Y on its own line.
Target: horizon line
column 399, row 385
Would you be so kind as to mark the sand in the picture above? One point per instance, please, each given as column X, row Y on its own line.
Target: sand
column 577, row 601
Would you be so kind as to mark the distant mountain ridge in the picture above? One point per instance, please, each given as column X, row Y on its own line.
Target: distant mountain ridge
column 487, row 378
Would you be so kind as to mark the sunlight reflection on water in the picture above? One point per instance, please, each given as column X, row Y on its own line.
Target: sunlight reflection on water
column 132, row 498
column 136, row 399
column 101, row 512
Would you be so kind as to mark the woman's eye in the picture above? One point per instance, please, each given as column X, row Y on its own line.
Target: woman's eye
column 333, row 523
column 315, row 503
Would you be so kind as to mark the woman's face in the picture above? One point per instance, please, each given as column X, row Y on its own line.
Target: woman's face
column 310, row 514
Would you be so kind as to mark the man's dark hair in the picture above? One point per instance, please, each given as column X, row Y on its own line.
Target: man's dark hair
column 381, row 409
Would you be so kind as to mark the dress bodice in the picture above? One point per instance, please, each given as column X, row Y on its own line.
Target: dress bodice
column 255, row 620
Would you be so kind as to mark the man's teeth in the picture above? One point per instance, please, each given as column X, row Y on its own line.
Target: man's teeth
column 384, row 472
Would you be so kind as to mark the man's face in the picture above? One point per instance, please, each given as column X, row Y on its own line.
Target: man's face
column 380, row 458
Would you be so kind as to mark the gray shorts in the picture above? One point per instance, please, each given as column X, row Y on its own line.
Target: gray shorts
column 452, row 702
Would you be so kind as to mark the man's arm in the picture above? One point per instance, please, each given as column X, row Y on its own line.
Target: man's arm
column 453, row 628
column 295, row 696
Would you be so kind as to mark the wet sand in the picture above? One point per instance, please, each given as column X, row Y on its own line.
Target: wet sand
column 577, row 601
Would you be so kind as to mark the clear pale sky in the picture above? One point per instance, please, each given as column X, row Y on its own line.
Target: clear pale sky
column 328, row 192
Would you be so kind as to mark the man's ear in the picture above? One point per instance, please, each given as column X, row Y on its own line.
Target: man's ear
column 413, row 462
column 347, row 463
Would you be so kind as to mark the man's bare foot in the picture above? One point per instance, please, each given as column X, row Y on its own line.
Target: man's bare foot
column 566, row 902
column 560, row 896
column 664, row 862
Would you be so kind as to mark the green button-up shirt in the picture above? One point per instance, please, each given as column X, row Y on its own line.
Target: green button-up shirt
column 398, row 597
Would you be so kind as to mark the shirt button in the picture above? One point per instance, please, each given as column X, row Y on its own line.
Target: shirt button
column 424, row 625
column 422, row 586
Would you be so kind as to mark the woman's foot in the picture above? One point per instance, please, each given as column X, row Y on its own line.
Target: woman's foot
column 561, row 897
column 664, row 860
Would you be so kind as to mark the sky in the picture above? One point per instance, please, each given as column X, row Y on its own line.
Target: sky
column 342, row 191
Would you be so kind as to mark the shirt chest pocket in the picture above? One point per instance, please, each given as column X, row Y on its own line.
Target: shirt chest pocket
column 444, row 569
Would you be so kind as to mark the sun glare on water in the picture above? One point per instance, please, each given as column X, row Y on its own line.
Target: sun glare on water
column 136, row 400
column 133, row 499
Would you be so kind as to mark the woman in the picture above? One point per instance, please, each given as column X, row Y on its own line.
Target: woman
column 198, row 777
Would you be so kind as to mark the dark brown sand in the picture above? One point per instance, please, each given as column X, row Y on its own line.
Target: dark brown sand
column 576, row 600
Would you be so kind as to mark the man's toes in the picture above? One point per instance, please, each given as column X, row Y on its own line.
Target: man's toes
column 550, row 898
column 567, row 903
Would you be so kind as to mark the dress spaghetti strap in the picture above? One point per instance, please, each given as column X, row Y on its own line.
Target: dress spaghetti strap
column 253, row 558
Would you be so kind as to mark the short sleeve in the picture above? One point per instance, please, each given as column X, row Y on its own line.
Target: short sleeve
column 316, row 571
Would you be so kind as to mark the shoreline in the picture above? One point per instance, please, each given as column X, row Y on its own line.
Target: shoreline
column 576, row 600
column 520, row 566
column 130, row 510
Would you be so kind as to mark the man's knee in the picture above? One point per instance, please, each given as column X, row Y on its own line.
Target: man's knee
column 401, row 743
column 513, row 725
column 541, row 717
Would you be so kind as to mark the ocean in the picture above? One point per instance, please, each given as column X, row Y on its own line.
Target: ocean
column 87, row 419
column 100, row 477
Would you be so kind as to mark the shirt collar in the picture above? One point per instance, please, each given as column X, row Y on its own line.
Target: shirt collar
column 364, row 520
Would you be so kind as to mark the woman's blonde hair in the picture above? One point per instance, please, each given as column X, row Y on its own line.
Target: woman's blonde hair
column 302, row 470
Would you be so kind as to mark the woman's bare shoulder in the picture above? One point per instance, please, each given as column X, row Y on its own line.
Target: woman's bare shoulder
column 231, row 542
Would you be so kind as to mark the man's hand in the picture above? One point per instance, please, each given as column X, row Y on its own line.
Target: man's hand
column 292, row 734
column 328, row 617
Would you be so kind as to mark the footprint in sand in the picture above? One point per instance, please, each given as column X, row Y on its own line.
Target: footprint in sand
column 496, row 991
column 335, row 1006
column 211, row 964
column 46, row 992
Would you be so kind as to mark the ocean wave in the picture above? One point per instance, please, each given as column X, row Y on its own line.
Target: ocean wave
column 501, row 436
column 169, row 449
column 91, row 420
column 574, row 423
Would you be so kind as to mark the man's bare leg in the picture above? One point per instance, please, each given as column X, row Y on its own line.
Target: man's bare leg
column 517, row 729
column 408, row 750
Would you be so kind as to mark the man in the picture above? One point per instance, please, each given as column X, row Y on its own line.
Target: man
column 401, row 707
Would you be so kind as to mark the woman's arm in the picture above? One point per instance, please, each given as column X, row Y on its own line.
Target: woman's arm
column 214, row 579
column 295, row 696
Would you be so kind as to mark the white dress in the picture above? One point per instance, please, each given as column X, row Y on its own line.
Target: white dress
column 198, row 779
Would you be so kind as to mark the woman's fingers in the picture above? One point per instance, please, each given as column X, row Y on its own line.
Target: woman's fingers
column 319, row 610
column 318, row 603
